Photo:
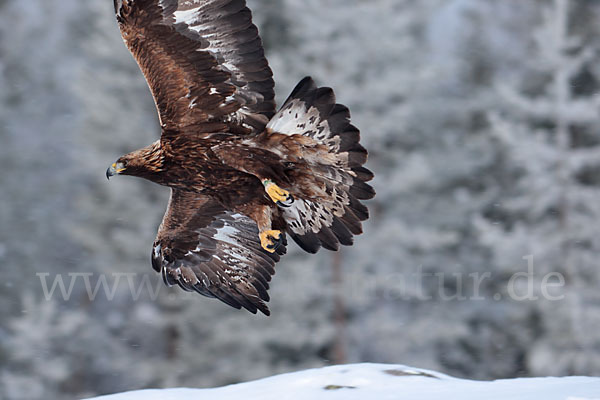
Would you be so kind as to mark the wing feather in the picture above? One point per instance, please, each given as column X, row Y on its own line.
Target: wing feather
column 204, row 63
column 202, row 247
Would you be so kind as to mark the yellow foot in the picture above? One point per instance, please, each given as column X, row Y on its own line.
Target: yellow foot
column 271, row 240
column 280, row 196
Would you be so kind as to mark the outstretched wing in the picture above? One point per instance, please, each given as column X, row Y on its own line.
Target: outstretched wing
column 202, row 247
column 203, row 60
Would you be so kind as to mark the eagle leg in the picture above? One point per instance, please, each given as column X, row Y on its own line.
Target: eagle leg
column 280, row 196
column 270, row 240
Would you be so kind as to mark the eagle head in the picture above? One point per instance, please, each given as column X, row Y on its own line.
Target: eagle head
column 145, row 163
column 116, row 168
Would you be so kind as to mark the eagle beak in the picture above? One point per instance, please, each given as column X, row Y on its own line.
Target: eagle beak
column 113, row 170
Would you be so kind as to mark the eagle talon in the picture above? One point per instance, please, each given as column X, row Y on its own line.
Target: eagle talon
column 271, row 240
column 279, row 196
column 288, row 202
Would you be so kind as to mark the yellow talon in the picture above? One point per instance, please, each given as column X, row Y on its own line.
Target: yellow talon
column 278, row 195
column 270, row 240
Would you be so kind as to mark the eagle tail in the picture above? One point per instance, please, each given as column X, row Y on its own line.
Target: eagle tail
column 332, row 215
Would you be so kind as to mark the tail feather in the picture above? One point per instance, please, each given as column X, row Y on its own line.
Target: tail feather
column 341, row 232
column 362, row 190
column 359, row 209
column 328, row 239
column 351, row 221
column 304, row 86
column 363, row 174
column 333, row 214
column 308, row 242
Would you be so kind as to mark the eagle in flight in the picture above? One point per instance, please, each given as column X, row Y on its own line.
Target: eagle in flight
column 242, row 174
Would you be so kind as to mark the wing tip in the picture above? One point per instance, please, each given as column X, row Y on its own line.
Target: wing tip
column 263, row 308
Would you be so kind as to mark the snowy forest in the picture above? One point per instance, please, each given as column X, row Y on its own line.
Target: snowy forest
column 481, row 256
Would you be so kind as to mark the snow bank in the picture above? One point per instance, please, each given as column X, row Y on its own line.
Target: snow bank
column 380, row 381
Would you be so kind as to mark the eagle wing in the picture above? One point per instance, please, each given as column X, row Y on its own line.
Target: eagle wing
column 203, row 61
column 205, row 248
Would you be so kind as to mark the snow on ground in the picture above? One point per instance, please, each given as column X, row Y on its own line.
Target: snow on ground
column 380, row 381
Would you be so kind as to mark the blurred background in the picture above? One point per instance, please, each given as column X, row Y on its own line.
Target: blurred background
column 481, row 255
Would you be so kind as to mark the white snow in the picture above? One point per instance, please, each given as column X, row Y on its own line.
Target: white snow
column 381, row 381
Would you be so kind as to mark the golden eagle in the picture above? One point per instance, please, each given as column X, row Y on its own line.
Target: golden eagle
column 242, row 174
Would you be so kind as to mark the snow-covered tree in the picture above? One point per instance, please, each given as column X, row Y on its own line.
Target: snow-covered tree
column 547, row 134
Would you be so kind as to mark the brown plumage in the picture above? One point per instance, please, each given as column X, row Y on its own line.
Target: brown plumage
column 241, row 174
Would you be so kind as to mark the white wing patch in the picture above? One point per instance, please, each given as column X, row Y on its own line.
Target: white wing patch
column 185, row 16
column 235, row 252
column 230, row 241
column 227, row 234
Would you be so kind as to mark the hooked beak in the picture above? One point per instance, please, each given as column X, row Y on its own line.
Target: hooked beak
column 113, row 170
